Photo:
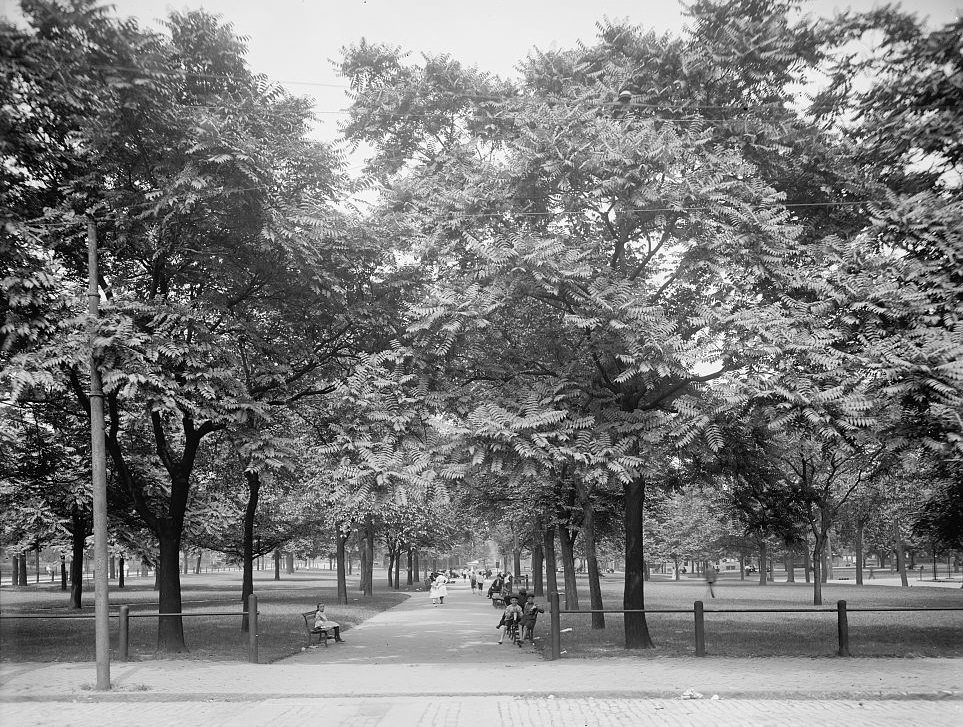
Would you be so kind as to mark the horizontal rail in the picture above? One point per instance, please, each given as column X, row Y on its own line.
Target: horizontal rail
column 828, row 609
column 698, row 611
column 132, row 615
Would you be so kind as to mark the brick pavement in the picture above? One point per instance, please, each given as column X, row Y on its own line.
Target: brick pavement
column 485, row 711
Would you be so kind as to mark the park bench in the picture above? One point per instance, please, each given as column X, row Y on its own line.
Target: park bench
column 323, row 634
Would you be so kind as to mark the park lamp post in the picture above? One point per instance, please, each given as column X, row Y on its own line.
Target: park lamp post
column 98, row 461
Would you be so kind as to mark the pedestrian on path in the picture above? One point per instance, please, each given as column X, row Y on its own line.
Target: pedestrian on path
column 439, row 589
column 474, row 583
column 711, row 579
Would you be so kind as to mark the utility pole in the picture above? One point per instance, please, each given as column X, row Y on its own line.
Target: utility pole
column 98, row 461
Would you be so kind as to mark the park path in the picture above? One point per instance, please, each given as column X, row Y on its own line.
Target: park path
column 416, row 632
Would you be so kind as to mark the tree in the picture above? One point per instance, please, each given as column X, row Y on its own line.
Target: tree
column 626, row 254
column 193, row 168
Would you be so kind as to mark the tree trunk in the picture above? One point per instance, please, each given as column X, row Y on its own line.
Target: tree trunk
column 170, row 629
column 398, row 569
column 247, row 559
column 362, row 564
column 859, row 554
column 790, row 566
column 901, row 559
column 828, row 557
column 341, row 537
column 537, row 572
column 289, row 563
column 416, row 567
column 277, row 564
column 807, row 560
column 636, row 628
column 675, row 564
column 63, row 572
column 78, row 540
column 368, row 574
column 568, row 567
column 588, row 539
column 551, row 568
column 517, row 562
column 763, row 561
column 23, row 570
column 120, row 573
column 112, row 568
column 817, row 571
column 411, row 581
column 391, row 566
column 15, row 570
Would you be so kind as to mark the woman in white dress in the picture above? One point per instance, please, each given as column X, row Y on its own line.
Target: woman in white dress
column 439, row 589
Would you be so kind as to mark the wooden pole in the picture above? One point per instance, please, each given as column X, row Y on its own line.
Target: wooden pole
column 253, row 627
column 700, row 629
column 123, row 635
column 556, row 629
column 98, row 456
column 842, row 626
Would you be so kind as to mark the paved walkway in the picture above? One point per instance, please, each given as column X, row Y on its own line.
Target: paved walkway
column 419, row 665
column 416, row 632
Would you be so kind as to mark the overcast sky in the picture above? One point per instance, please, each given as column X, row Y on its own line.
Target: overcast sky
column 292, row 41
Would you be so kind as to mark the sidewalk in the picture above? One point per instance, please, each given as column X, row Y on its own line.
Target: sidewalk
column 394, row 667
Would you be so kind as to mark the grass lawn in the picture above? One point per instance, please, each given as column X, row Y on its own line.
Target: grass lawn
column 771, row 634
column 280, row 603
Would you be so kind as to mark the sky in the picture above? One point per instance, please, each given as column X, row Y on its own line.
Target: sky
column 293, row 41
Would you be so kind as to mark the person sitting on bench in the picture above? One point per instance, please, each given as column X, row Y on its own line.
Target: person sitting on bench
column 321, row 622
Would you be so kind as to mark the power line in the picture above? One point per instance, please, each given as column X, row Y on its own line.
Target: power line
column 147, row 74
column 41, row 222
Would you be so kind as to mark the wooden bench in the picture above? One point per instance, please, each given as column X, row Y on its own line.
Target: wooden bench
column 323, row 634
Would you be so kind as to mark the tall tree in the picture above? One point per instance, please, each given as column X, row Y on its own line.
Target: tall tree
column 203, row 184
column 596, row 227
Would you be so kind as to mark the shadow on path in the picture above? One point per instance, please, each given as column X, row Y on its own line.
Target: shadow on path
column 416, row 632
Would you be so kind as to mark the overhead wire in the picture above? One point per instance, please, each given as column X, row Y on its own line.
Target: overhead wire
column 147, row 74
column 452, row 216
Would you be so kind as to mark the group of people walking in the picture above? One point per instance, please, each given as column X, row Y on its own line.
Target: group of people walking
column 520, row 612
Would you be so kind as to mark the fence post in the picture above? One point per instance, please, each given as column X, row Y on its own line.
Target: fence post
column 700, row 629
column 252, row 628
column 122, row 637
column 555, row 635
column 842, row 624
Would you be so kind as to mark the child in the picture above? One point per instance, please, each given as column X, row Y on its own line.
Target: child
column 321, row 622
column 529, row 614
column 512, row 614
